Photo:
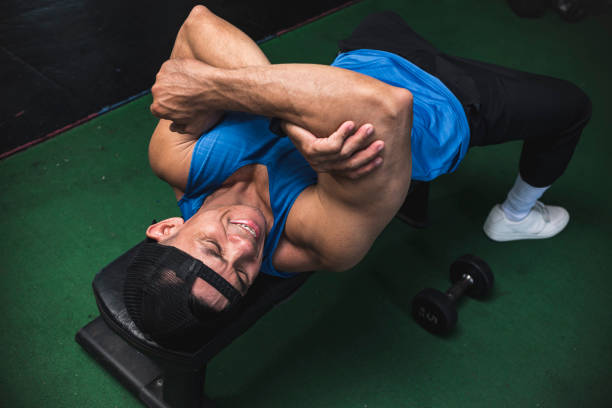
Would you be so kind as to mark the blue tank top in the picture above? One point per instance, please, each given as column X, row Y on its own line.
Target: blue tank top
column 440, row 138
column 239, row 140
column 440, row 131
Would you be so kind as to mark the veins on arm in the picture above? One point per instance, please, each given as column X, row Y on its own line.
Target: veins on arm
column 316, row 97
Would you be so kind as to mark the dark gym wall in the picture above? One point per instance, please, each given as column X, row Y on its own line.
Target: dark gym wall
column 61, row 62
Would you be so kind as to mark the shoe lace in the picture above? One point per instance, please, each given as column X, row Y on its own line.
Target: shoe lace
column 542, row 209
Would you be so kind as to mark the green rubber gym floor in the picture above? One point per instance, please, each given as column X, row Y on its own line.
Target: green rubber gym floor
column 72, row 204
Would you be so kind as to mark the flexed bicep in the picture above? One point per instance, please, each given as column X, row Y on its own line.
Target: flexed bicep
column 337, row 220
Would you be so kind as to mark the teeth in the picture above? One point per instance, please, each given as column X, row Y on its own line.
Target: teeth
column 249, row 229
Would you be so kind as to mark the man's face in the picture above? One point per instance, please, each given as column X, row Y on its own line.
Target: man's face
column 228, row 239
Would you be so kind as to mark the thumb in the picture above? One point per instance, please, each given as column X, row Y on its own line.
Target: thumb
column 299, row 134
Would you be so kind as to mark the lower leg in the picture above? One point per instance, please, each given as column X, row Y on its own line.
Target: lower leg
column 521, row 199
column 543, row 161
column 549, row 115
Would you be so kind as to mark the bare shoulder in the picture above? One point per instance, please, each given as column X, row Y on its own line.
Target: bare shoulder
column 293, row 258
column 333, row 224
column 170, row 155
column 294, row 252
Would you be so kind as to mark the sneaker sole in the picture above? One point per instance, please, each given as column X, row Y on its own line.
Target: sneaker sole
column 522, row 236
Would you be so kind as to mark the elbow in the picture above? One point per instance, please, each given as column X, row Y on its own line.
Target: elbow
column 391, row 108
column 399, row 103
column 200, row 22
column 197, row 14
column 395, row 118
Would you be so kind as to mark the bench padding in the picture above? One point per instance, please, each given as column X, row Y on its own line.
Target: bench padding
column 155, row 373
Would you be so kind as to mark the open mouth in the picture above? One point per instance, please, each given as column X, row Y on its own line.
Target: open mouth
column 249, row 226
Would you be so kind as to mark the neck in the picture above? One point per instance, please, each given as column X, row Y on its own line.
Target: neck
column 247, row 186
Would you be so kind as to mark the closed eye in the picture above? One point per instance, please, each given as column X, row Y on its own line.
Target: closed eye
column 241, row 275
column 217, row 247
column 213, row 248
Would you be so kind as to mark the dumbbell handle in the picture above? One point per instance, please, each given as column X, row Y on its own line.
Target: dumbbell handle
column 456, row 291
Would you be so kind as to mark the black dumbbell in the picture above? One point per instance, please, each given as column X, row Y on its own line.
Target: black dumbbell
column 437, row 311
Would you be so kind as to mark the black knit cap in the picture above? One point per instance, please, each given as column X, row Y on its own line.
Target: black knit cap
column 157, row 295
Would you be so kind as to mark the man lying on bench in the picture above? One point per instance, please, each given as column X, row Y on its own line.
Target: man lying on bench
column 255, row 201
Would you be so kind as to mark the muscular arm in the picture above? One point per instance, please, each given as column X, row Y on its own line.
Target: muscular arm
column 316, row 97
column 208, row 38
column 332, row 224
column 337, row 220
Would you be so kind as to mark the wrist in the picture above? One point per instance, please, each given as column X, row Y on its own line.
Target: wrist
column 222, row 89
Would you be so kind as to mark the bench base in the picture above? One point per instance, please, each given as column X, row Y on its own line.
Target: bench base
column 154, row 386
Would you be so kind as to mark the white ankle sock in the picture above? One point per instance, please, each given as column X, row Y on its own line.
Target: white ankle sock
column 521, row 198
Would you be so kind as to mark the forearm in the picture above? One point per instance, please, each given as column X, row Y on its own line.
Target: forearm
column 319, row 98
column 211, row 40
column 316, row 97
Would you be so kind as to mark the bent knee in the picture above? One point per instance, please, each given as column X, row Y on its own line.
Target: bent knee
column 580, row 103
column 586, row 105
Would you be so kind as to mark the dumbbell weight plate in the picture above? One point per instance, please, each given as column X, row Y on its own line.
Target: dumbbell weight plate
column 478, row 269
column 434, row 311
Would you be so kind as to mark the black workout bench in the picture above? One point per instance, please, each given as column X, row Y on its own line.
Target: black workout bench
column 164, row 378
column 158, row 376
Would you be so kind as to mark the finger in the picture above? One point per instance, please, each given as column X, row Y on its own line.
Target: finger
column 357, row 141
column 366, row 169
column 302, row 137
column 156, row 110
column 332, row 145
column 362, row 157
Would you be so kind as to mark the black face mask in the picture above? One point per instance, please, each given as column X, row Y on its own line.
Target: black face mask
column 157, row 294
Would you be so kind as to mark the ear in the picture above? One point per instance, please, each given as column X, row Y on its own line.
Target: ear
column 165, row 229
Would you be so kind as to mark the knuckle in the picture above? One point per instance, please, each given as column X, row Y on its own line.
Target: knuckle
column 366, row 157
column 321, row 149
column 335, row 148
column 345, row 154
column 359, row 136
column 337, row 144
column 352, row 166
column 333, row 143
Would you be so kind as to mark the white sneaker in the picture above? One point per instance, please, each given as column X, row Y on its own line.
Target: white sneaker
column 543, row 221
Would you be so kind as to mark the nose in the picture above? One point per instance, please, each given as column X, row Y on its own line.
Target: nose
column 241, row 243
